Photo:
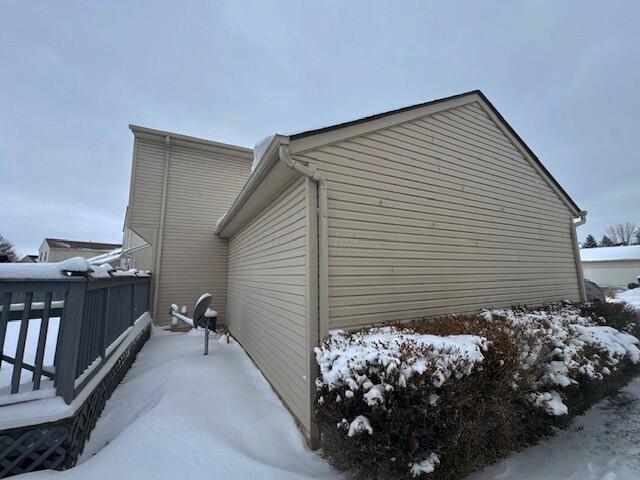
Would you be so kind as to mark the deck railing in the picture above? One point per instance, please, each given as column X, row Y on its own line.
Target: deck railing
column 95, row 315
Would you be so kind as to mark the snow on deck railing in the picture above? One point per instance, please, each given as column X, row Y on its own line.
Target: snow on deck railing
column 45, row 271
column 93, row 306
column 76, row 266
column 19, row 307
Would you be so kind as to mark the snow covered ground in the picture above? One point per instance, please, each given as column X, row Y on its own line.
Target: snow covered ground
column 632, row 297
column 179, row 414
column 603, row 444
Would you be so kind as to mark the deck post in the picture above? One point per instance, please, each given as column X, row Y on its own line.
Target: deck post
column 69, row 340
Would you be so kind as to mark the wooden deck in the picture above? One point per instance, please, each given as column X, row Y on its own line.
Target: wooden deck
column 66, row 344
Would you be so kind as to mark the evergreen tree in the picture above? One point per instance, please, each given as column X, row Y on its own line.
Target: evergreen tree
column 590, row 242
column 6, row 250
column 607, row 242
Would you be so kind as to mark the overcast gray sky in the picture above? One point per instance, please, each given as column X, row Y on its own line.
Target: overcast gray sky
column 74, row 74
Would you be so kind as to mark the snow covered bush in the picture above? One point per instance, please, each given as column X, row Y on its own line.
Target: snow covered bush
column 391, row 356
column 441, row 397
column 577, row 352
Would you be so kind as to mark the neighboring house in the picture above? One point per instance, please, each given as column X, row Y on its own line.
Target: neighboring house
column 56, row 250
column 426, row 210
column 611, row 266
column 180, row 185
column 29, row 259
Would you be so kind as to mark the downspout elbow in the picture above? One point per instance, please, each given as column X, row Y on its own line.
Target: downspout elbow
column 305, row 170
column 285, row 157
column 581, row 219
column 308, row 172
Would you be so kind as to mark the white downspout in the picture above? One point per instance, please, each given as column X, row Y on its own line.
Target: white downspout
column 581, row 220
column 323, row 273
column 323, row 236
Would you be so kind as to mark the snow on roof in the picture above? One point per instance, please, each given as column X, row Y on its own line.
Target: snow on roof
column 60, row 243
column 259, row 150
column 609, row 254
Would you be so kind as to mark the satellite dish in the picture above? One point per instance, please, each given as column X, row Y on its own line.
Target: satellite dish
column 201, row 307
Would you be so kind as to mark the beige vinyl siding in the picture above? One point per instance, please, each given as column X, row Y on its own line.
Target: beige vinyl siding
column 268, row 298
column 146, row 186
column 202, row 182
column 440, row 214
column 145, row 197
column 200, row 188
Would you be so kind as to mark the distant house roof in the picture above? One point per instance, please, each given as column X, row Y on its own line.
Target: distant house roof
column 60, row 243
column 610, row 254
column 29, row 259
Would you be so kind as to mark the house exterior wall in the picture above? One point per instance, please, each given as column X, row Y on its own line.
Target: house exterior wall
column 178, row 191
column 145, row 201
column 43, row 252
column 147, row 180
column 272, row 295
column 437, row 215
column 612, row 274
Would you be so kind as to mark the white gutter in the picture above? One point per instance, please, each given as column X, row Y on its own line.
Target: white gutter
column 178, row 138
column 581, row 220
column 323, row 235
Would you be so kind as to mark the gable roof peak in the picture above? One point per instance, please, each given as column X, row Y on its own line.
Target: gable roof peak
column 440, row 104
column 376, row 116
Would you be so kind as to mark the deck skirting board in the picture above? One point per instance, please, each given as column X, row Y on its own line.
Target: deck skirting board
column 58, row 445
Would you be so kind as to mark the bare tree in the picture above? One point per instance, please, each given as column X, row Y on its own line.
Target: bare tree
column 622, row 232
